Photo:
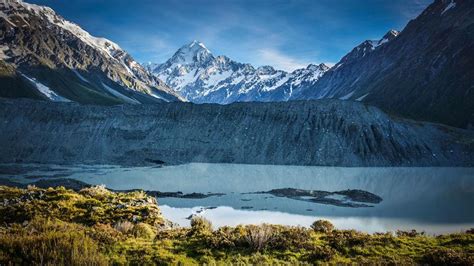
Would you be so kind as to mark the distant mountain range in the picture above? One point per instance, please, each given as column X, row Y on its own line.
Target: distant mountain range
column 44, row 56
column 199, row 76
column 424, row 72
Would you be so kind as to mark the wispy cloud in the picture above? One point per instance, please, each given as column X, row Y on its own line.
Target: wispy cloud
column 285, row 33
column 279, row 60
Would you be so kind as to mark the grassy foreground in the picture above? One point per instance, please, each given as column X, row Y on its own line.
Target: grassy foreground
column 94, row 226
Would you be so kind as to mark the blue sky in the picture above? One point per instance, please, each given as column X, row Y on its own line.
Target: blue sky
column 286, row 34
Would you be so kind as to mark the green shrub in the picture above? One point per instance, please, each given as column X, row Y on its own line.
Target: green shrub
column 227, row 237
column 105, row 234
column 322, row 226
column 200, row 226
column 345, row 240
column 411, row 233
column 320, row 253
column 291, row 238
column 445, row 256
column 258, row 237
column 143, row 230
column 46, row 242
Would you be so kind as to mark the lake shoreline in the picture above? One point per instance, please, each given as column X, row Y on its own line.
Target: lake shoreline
column 112, row 227
column 408, row 194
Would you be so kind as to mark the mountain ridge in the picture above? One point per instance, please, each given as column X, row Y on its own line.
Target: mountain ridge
column 189, row 69
column 198, row 75
column 425, row 73
column 41, row 51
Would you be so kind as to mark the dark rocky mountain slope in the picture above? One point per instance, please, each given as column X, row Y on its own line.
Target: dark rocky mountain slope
column 426, row 72
column 44, row 56
column 324, row 132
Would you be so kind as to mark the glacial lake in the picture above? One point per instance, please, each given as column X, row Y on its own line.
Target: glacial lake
column 434, row 200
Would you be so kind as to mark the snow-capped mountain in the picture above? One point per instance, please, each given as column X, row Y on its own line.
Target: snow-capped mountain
column 424, row 72
column 367, row 47
column 199, row 76
column 43, row 55
column 358, row 53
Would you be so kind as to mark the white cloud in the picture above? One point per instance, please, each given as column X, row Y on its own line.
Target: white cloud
column 279, row 60
column 330, row 64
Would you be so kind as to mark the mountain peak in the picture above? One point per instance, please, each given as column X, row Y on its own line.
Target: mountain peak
column 193, row 52
column 390, row 35
column 314, row 67
column 197, row 44
column 265, row 70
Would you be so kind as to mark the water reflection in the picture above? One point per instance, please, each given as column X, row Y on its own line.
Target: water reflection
column 433, row 199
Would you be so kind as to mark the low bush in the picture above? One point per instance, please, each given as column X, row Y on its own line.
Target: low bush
column 322, row 226
column 258, row 237
column 227, row 237
column 200, row 226
column 105, row 234
column 291, row 238
column 411, row 233
column 142, row 230
column 345, row 240
column 48, row 242
column 445, row 256
column 320, row 253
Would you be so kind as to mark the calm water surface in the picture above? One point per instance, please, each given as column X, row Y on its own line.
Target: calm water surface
column 434, row 200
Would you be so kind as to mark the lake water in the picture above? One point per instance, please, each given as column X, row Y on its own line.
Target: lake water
column 434, row 200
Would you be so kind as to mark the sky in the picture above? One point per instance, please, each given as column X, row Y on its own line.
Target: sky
column 286, row 34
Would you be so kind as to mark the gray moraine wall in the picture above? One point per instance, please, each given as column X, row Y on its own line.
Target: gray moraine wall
column 322, row 132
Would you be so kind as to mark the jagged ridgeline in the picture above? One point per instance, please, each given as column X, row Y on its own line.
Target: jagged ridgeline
column 44, row 56
column 195, row 73
column 324, row 132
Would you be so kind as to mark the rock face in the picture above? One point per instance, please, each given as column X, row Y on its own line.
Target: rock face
column 324, row 132
column 44, row 56
column 425, row 72
column 199, row 76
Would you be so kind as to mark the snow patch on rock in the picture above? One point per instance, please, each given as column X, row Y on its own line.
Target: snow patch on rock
column 119, row 95
column 451, row 5
column 46, row 91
